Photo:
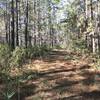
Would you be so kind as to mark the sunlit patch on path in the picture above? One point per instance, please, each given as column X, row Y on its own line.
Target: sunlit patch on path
column 55, row 78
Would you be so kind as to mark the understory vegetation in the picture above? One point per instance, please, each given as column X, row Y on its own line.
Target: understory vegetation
column 15, row 59
column 20, row 55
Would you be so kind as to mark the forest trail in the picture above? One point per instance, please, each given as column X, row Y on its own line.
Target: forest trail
column 30, row 67
column 58, row 60
column 60, row 79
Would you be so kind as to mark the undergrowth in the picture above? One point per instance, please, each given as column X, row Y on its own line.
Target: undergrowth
column 20, row 55
column 16, row 58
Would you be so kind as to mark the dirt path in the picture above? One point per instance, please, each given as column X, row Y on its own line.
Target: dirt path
column 61, row 79
column 56, row 78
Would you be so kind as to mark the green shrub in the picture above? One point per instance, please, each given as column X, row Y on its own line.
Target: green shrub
column 5, row 54
column 9, row 90
column 32, row 52
column 44, row 49
column 18, row 56
column 37, row 51
column 79, row 46
column 58, row 47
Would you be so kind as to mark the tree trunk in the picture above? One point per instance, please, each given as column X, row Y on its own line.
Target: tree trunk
column 12, row 26
column 26, row 26
column 91, row 5
column 17, row 22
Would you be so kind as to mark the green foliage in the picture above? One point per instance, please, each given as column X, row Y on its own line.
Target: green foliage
column 79, row 46
column 8, row 95
column 58, row 47
column 96, row 60
column 18, row 56
column 8, row 91
column 71, row 19
column 5, row 54
column 68, row 57
column 21, row 54
column 98, row 64
column 32, row 52
column 56, row 1
column 38, row 51
column 44, row 49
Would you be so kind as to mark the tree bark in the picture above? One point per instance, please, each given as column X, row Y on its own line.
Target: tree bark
column 12, row 26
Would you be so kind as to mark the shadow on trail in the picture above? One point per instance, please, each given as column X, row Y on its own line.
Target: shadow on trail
column 56, row 56
column 54, row 84
column 61, row 83
column 94, row 95
column 57, row 84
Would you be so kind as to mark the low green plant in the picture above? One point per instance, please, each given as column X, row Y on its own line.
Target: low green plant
column 18, row 56
column 8, row 91
column 44, row 49
column 21, row 54
column 79, row 46
column 8, row 95
column 38, row 51
column 5, row 54
column 33, row 52
column 58, row 47
column 68, row 57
